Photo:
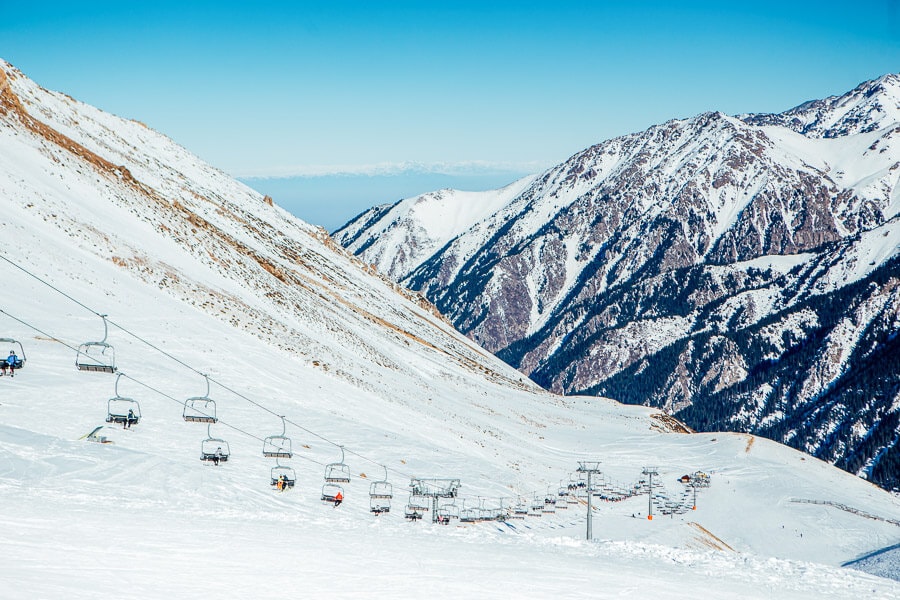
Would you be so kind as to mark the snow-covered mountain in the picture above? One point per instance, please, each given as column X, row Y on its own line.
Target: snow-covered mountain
column 200, row 275
column 739, row 272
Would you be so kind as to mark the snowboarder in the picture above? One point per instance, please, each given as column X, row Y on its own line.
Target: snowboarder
column 338, row 499
column 217, row 456
column 282, row 483
column 129, row 419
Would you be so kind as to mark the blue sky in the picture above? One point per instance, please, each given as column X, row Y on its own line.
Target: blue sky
column 343, row 100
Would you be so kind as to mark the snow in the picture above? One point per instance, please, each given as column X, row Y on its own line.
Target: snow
column 350, row 360
column 423, row 224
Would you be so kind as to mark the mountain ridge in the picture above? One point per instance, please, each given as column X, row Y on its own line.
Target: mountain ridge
column 713, row 198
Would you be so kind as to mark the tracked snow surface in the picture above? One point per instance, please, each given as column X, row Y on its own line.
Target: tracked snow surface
column 200, row 275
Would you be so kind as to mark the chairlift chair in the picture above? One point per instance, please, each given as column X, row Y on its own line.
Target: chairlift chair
column 14, row 361
column 520, row 509
column 420, row 503
column 200, row 409
column 470, row 515
column 330, row 492
column 278, row 446
column 337, row 472
column 278, row 471
column 380, row 495
column 411, row 513
column 212, row 448
column 451, row 510
column 121, row 410
column 97, row 357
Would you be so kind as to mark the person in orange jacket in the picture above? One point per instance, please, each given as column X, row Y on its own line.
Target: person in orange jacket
column 338, row 499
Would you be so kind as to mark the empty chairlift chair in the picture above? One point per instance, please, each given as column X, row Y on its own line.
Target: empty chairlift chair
column 520, row 509
column 214, row 449
column 200, row 409
column 380, row 495
column 14, row 360
column 99, row 356
column 121, row 410
column 337, row 472
column 278, row 446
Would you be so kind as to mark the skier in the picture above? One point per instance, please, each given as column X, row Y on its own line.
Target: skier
column 217, row 456
column 282, row 483
column 13, row 363
column 129, row 419
column 338, row 499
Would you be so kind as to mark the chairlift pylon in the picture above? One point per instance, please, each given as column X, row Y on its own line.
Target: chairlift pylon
column 214, row 449
column 200, row 409
column 98, row 357
column 337, row 472
column 278, row 446
column 121, row 410
column 13, row 361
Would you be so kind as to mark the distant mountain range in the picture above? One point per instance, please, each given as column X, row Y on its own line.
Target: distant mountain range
column 741, row 272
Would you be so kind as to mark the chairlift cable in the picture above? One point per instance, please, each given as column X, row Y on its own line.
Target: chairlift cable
column 184, row 364
column 187, row 366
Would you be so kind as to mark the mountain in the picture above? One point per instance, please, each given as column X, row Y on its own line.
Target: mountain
column 304, row 345
column 740, row 273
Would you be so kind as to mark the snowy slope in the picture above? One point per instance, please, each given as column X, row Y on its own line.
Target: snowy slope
column 669, row 268
column 284, row 322
column 397, row 238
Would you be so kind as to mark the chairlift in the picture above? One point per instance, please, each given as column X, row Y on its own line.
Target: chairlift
column 200, row 409
column 279, row 471
column 519, row 509
column 451, row 510
column 337, row 472
column 380, row 495
column 470, row 515
column 330, row 492
column 411, row 513
column 14, row 361
column 214, row 449
column 536, row 508
column 98, row 357
column 420, row 503
column 278, row 446
column 121, row 410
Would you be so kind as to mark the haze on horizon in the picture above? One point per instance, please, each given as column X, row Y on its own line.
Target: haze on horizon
column 333, row 107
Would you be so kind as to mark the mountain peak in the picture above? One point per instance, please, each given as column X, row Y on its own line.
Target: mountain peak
column 870, row 106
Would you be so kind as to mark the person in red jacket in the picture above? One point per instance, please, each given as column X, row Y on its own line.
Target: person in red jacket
column 338, row 499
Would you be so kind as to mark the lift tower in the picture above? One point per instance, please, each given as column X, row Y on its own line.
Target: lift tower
column 590, row 468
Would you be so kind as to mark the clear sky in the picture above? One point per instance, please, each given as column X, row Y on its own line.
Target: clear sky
column 328, row 93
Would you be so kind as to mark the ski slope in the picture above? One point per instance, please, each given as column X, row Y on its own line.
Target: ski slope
column 200, row 276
